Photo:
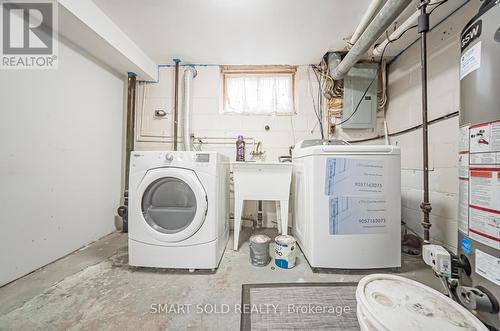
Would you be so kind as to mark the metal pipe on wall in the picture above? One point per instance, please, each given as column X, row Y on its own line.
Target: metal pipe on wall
column 131, row 95
column 189, row 74
column 389, row 12
column 129, row 144
column 423, row 28
column 176, row 102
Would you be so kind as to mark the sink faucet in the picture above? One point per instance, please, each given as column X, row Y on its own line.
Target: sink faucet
column 257, row 152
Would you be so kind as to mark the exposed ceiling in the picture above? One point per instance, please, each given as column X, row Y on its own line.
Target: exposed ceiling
column 236, row 31
column 247, row 31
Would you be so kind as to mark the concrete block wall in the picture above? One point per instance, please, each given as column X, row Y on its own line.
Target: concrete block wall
column 222, row 129
column 404, row 111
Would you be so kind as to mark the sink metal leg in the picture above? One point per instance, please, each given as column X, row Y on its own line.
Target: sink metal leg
column 278, row 216
column 284, row 216
column 238, row 209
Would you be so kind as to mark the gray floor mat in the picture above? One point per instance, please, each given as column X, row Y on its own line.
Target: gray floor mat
column 299, row 306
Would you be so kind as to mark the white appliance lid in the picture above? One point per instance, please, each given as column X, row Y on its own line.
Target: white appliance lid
column 322, row 147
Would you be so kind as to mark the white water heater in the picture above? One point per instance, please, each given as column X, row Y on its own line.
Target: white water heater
column 479, row 163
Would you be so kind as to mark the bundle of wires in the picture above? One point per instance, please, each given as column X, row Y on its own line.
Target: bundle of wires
column 317, row 106
column 330, row 88
column 373, row 80
column 326, row 90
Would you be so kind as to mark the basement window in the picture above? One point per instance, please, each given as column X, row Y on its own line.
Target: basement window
column 261, row 90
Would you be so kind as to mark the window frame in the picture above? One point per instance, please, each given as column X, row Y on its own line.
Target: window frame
column 259, row 71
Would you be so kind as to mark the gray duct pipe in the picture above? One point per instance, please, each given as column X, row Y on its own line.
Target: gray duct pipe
column 389, row 12
column 189, row 74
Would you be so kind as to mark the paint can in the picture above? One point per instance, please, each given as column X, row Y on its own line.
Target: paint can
column 285, row 251
column 259, row 250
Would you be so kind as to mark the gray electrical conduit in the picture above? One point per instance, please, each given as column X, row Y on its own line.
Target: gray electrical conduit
column 413, row 128
column 189, row 74
column 389, row 12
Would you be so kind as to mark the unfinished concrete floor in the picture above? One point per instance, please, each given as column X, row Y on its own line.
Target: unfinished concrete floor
column 95, row 289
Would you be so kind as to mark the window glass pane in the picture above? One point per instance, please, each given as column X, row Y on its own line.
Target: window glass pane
column 259, row 93
column 283, row 94
column 251, row 87
column 267, row 92
column 235, row 93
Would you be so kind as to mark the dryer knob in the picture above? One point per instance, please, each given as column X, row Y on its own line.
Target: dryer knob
column 169, row 157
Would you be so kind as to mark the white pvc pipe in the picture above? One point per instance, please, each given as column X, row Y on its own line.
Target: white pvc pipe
column 386, row 133
column 365, row 20
column 412, row 20
column 189, row 74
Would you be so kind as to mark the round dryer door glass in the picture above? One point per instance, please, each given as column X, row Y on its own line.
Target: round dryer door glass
column 169, row 205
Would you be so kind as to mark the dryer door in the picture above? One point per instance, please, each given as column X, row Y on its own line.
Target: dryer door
column 173, row 203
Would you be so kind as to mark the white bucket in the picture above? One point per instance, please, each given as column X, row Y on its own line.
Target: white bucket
column 285, row 249
column 393, row 303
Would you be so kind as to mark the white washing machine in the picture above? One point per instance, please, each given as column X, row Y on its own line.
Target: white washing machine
column 178, row 209
column 347, row 204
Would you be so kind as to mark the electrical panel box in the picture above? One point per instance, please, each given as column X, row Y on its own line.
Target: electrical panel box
column 362, row 77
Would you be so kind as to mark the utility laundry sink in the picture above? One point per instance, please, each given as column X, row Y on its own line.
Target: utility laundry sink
column 261, row 181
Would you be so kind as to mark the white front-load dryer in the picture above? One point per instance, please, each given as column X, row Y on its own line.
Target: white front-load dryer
column 178, row 209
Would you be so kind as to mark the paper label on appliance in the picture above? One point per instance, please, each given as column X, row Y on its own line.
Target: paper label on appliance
column 463, row 205
column 485, row 138
column 484, row 226
column 484, row 205
column 488, row 266
column 495, row 136
column 357, row 215
column 354, row 177
column 484, row 158
column 470, row 60
column 463, row 139
column 485, row 188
